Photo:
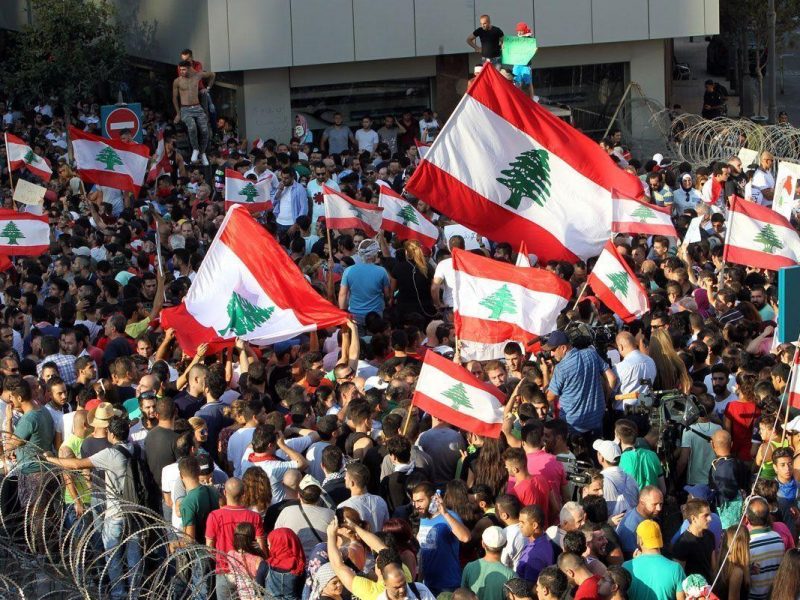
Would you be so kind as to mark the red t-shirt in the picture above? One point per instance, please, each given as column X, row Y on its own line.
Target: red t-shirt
column 533, row 491
column 743, row 417
column 221, row 525
column 588, row 589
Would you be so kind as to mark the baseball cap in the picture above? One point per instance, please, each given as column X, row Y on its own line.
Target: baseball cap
column 82, row 251
column 554, row 339
column 607, row 449
column 309, row 481
column 703, row 492
column 494, row 537
column 649, row 534
column 793, row 425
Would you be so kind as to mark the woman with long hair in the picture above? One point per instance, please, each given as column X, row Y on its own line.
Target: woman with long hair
column 671, row 372
column 488, row 467
column 733, row 582
column 246, row 563
column 740, row 416
column 456, row 498
column 286, row 565
column 786, row 585
column 405, row 542
column 234, row 412
column 257, row 491
column 411, row 281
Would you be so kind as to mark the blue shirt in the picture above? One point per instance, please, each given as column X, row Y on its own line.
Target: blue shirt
column 536, row 555
column 438, row 554
column 366, row 283
column 577, row 381
column 626, row 531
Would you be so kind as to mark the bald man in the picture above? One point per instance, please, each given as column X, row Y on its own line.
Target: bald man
column 763, row 183
column 220, row 527
column 634, row 366
column 729, row 477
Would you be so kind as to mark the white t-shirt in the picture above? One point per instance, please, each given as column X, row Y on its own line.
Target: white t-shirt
column 762, row 180
column 58, row 419
column 367, row 140
column 444, row 272
column 237, row 444
column 114, row 198
column 515, row 544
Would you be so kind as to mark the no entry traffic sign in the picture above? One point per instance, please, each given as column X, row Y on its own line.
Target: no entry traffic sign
column 116, row 118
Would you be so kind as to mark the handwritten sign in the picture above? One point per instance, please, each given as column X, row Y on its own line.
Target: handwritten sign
column 518, row 50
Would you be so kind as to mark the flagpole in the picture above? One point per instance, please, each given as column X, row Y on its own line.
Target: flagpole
column 407, row 420
column 788, row 391
column 10, row 172
column 580, row 296
column 728, row 228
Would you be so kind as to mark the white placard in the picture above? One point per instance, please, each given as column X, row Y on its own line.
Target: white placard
column 471, row 239
column 29, row 193
column 693, row 232
column 785, row 188
column 748, row 157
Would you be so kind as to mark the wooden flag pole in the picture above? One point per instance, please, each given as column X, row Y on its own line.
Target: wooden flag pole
column 10, row 171
column 407, row 420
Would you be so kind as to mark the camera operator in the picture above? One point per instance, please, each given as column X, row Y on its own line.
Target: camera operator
column 579, row 382
column 620, row 490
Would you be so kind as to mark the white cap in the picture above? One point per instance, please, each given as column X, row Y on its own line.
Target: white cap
column 607, row 449
column 658, row 158
column 494, row 537
column 793, row 425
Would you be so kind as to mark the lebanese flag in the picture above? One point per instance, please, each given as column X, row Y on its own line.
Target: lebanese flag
column 422, row 147
column 342, row 212
column 247, row 287
column 506, row 168
column 759, row 237
column 405, row 221
column 23, row 234
column 495, row 303
column 160, row 165
column 452, row 394
column 616, row 285
column 523, row 258
column 5, row 263
column 636, row 216
column 109, row 162
column 794, row 381
column 255, row 197
column 20, row 154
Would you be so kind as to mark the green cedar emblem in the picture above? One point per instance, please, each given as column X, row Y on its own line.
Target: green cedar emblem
column 619, row 282
column 245, row 316
column 528, row 177
column 31, row 158
column 769, row 239
column 500, row 302
column 408, row 215
column 458, row 396
column 12, row 232
column 109, row 157
column 249, row 192
column 643, row 213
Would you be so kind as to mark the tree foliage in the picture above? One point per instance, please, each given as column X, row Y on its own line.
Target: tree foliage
column 72, row 50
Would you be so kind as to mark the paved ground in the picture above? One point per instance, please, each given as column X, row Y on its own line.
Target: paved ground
column 689, row 93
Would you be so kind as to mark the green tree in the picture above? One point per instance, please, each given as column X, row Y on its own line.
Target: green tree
column 245, row 316
column 31, row 158
column 768, row 237
column 458, row 395
column 619, row 282
column 108, row 156
column 528, row 177
column 408, row 215
column 73, row 49
column 249, row 192
column 500, row 302
column 643, row 213
column 12, row 232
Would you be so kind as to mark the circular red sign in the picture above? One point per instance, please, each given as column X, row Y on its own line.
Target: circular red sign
column 120, row 119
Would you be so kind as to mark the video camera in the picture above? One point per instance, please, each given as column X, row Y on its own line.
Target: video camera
column 583, row 335
column 576, row 470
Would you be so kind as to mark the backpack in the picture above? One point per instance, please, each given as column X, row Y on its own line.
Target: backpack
column 139, row 486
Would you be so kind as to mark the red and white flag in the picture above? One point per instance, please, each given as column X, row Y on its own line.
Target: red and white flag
column 258, row 144
column 452, row 394
column 109, row 162
column 422, row 147
column 636, row 216
column 505, row 167
column 254, row 196
column 342, row 212
column 405, row 221
column 794, row 381
column 758, row 236
column 247, row 287
column 160, row 163
column 523, row 258
column 495, row 303
column 23, row 234
column 20, row 154
column 616, row 285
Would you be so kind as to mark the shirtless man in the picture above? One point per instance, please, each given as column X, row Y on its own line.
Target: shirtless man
column 186, row 101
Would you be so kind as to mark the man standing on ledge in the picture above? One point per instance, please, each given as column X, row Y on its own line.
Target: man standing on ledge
column 186, row 101
column 491, row 38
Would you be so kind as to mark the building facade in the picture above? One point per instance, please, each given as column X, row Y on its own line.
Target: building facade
column 279, row 58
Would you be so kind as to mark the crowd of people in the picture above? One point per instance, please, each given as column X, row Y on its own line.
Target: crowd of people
column 305, row 467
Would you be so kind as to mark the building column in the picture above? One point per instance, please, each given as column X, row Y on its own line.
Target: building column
column 267, row 105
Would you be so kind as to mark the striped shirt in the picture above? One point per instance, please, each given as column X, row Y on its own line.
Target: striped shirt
column 766, row 551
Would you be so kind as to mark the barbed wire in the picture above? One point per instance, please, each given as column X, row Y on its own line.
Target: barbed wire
column 45, row 557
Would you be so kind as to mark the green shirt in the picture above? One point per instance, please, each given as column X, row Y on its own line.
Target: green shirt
column 36, row 428
column 486, row 578
column 643, row 465
column 195, row 508
column 654, row 577
column 73, row 442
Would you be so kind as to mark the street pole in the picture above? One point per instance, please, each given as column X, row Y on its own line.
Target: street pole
column 772, row 59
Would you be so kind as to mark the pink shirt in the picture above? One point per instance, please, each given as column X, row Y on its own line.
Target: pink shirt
column 543, row 464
